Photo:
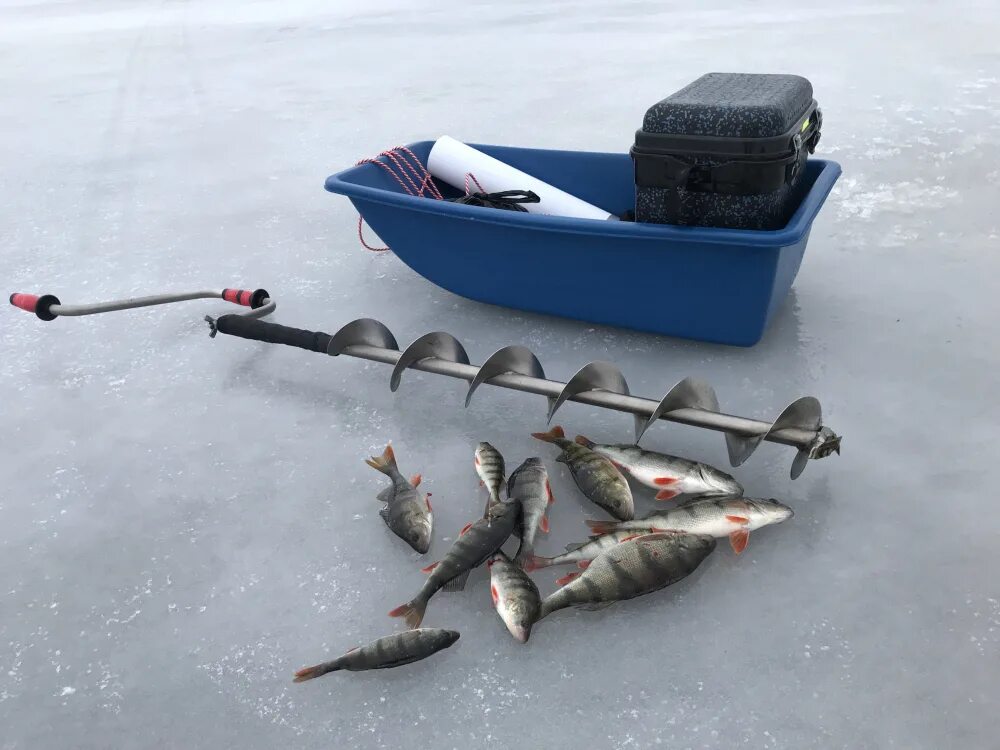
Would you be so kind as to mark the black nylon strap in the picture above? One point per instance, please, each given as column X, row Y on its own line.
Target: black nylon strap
column 272, row 333
column 509, row 200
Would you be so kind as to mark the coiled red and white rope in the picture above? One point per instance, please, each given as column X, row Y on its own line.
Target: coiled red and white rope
column 406, row 168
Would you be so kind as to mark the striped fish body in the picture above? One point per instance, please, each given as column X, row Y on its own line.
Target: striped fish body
column 406, row 512
column 630, row 569
column 580, row 552
column 668, row 475
column 718, row 517
column 599, row 480
column 529, row 483
column 409, row 516
column 473, row 547
column 733, row 517
column 515, row 596
column 491, row 470
column 391, row 651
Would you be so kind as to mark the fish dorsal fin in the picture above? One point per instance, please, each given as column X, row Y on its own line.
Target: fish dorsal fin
column 574, row 546
column 457, row 583
column 385, row 495
column 384, row 512
column 415, row 480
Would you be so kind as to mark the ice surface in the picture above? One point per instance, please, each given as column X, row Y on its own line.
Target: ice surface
column 184, row 522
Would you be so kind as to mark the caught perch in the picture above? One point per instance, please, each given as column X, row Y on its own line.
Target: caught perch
column 385, row 653
column 632, row 568
column 408, row 515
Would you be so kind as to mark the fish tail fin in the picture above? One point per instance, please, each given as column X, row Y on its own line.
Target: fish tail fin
column 585, row 442
column 311, row 673
column 556, row 433
column 411, row 612
column 386, row 463
column 531, row 561
column 602, row 527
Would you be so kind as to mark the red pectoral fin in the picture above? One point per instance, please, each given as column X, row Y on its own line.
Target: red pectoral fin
column 739, row 539
column 667, row 494
column 664, row 481
column 465, row 528
column 742, row 520
column 494, row 594
column 543, row 524
column 415, row 480
column 548, row 488
column 430, row 567
column 583, row 564
column 566, row 578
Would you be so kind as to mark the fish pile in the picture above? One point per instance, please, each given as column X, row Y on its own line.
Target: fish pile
column 623, row 558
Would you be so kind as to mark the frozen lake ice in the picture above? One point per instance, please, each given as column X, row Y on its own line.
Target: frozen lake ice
column 185, row 522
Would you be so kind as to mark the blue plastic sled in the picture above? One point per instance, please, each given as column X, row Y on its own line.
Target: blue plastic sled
column 719, row 285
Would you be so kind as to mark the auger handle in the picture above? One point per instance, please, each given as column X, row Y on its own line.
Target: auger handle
column 245, row 297
column 40, row 305
column 48, row 306
column 272, row 333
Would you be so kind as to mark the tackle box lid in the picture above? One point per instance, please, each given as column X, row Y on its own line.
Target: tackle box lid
column 732, row 113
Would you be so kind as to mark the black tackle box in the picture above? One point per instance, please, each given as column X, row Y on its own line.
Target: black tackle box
column 728, row 150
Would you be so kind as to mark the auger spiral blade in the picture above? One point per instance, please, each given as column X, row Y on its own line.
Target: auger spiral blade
column 362, row 332
column 437, row 345
column 596, row 376
column 511, row 359
column 687, row 394
column 802, row 414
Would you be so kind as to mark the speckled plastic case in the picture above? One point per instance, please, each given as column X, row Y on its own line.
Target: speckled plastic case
column 727, row 106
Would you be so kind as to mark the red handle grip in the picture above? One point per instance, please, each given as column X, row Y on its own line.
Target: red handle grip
column 244, row 297
column 40, row 305
column 238, row 296
column 27, row 302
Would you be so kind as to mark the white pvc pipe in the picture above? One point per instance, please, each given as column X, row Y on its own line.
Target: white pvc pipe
column 450, row 161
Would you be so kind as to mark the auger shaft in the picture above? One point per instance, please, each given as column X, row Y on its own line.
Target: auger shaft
column 637, row 405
